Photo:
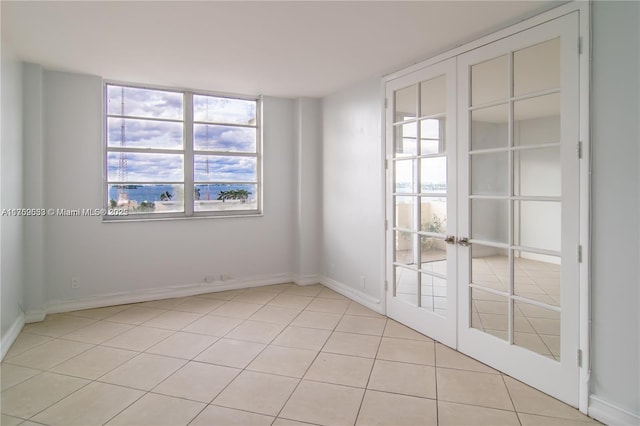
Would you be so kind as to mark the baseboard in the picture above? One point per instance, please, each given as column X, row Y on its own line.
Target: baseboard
column 123, row 298
column 35, row 316
column 307, row 279
column 364, row 299
column 12, row 334
column 610, row 414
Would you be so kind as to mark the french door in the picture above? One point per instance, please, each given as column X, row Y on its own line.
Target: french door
column 519, row 186
column 498, row 179
column 421, row 201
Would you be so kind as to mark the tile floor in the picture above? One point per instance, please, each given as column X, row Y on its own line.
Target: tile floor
column 275, row 355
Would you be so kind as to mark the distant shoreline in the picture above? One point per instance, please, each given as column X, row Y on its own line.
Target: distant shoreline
column 151, row 193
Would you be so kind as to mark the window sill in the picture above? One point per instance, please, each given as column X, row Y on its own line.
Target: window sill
column 147, row 218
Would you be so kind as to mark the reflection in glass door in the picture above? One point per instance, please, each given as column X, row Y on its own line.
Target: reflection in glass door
column 518, row 263
column 516, row 198
column 422, row 291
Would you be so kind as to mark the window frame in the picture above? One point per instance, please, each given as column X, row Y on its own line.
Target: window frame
column 188, row 151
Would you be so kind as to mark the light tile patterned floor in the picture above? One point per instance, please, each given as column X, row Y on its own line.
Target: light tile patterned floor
column 275, row 355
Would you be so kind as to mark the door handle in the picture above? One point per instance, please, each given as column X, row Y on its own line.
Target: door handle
column 450, row 239
column 464, row 242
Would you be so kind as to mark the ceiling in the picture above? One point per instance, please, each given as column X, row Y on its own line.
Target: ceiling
column 286, row 48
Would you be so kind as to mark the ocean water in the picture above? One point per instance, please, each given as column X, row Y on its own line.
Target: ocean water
column 142, row 193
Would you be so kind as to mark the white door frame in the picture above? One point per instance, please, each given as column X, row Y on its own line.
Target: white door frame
column 584, row 11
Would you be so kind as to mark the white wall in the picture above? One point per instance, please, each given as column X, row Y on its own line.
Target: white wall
column 127, row 257
column 615, row 138
column 308, row 152
column 11, row 228
column 34, row 169
column 352, row 188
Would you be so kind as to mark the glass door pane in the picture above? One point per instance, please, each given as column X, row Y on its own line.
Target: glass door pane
column 405, row 103
column 490, row 80
column 420, row 162
column 420, row 203
column 515, row 202
column 537, row 68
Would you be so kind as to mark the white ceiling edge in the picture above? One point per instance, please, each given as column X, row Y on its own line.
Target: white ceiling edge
column 286, row 49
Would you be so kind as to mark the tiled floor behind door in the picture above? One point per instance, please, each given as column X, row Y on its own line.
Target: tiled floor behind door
column 281, row 355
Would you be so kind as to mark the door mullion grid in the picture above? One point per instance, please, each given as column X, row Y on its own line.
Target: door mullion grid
column 394, row 220
column 390, row 222
column 418, row 203
column 510, row 209
column 189, row 187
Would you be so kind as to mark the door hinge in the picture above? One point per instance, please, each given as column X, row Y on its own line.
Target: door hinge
column 386, row 103
column 579, row 254
column 386, row 164
column 579, row 149
column 386, row 285
column 386, row 225
column 579, row 357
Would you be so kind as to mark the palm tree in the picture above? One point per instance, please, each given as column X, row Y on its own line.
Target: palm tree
column 146, row 206
column 234, row 194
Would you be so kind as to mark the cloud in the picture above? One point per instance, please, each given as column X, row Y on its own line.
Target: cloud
column 144, row 133
column 142, row 167
column 224, row 169
column 156, row 167
column 140, row 102
column 223, row 110
column 145, row 102
column 224, row 138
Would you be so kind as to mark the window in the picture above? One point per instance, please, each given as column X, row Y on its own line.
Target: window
column 173, row 153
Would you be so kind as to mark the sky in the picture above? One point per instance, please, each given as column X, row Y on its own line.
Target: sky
column 144, row 132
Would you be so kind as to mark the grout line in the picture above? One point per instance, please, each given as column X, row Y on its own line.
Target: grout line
column 198, row 414
column 144, row 393
column 478, row 406
column 243, row 369
column 229, row 408
column 312, row 362
column 63, row 398
column 511, row 398
column 410, row 395
column 373, row 364
column 296, row 421
column 8, row 357
column 435, row 377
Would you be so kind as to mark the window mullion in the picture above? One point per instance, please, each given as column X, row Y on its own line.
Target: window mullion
column 188, row 154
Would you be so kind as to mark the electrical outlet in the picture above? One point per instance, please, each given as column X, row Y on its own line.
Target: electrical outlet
column 75, row 282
